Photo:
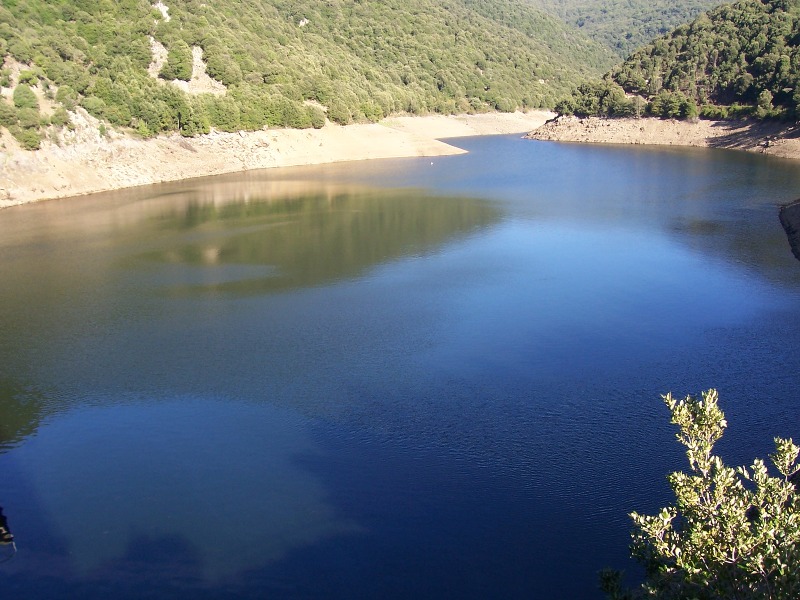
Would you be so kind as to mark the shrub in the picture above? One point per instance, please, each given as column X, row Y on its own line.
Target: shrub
column 60, row 118
column 339, row 113
column 94, row 106
column 8, row 114
column 317, row 116
column 30, row 139
column 24, row 97
column 295, row 115
column 67, row 97
column 28, row 118
column 733, row 533
column 28, row 77
column 713, row 112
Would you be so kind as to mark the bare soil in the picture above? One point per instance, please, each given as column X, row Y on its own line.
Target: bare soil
column 85, row 160
column 776, row 139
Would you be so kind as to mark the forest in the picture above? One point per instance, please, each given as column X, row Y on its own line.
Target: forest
column 282, row 62
column 297, row 63
column 737, row 60
column 625, row 25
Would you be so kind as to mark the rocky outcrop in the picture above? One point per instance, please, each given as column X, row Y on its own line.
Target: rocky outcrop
column 790, row 219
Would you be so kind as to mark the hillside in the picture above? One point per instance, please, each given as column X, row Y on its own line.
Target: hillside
column 745, row 53
column 737, row 60
column 190, row 65
column 625, row 25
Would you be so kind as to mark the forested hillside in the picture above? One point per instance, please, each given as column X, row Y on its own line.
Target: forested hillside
column 278, row 62
column 625, row 25
column 741, row 59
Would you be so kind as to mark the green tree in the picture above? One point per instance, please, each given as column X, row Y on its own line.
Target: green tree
column 764, row 106
column 179, row 62
column 732, row 533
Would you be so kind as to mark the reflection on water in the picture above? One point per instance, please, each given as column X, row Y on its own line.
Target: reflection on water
column 21, row 411
column 398, row 380
column 255, row 246
column 222, row 478
column 86, row 278
column 8, row 547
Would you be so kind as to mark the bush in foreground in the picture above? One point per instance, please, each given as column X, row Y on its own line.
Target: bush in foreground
column 733, row 533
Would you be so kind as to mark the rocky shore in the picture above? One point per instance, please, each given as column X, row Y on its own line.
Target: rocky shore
column 776, row 139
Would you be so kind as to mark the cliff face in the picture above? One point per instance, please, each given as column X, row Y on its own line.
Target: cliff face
column 790, row 219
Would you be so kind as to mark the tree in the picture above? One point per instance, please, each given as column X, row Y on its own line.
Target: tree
column 764, row 106
column 179, row 62
column 733, row 533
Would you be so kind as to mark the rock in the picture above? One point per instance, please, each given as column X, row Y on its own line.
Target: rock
column 790, row 219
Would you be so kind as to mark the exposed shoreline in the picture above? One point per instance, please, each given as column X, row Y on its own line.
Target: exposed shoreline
column 87, row 162
column 772, row 138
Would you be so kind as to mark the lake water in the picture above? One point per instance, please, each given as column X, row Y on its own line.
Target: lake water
column 390, row 379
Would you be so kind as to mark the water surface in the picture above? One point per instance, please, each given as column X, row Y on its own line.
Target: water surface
column 394, row 379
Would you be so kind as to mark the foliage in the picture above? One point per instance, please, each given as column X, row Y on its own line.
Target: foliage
column 25, row 98
column 672, row 105
column 8, row 114
column 179, row 62
column 60, row 118
column 361, row 60
column 625, row 25
column 733, row 54
column 734, row 61
column 733, row 533
column 604, row 98
column 29, row 138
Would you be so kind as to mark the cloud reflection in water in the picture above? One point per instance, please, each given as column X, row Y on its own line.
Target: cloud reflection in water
column 223, row 478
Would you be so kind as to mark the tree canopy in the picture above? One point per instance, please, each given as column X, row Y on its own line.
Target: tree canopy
column 280, row 60
column 736, row 60
column 625, row 25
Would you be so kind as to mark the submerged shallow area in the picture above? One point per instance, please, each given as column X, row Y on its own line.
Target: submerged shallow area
column 385, row 379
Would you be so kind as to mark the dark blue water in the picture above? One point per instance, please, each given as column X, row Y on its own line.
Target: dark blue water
column 391, row 379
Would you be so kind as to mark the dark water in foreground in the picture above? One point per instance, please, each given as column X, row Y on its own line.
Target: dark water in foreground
column 398, row 379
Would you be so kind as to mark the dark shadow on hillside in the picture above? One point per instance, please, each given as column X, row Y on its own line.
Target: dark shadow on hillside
column 752, row 134
column 790, row 219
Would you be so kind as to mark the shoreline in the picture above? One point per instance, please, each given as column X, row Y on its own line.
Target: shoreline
column 781, row 140
column 87, row 162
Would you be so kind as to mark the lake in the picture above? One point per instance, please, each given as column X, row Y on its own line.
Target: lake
column 392, row 379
